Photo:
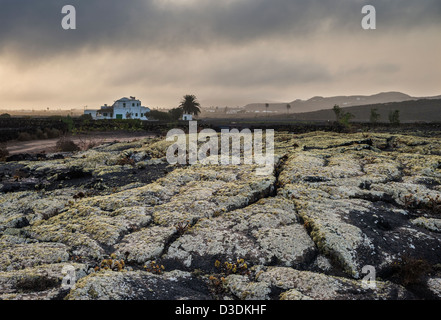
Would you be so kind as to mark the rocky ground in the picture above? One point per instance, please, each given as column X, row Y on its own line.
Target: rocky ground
column 118, row 222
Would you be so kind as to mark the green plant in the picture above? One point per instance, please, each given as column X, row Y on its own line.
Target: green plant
column 342, row 117
column 239, row 267
column 394, row 117
column 154, row 267
column 69, row 123
column 346, row 117
column 111, row 264
column 176, row 113
column 375, row 116
column 159, row 115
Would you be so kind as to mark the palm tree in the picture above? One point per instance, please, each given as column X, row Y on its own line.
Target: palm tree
column 288, row 106
column 190, row 105
column 266, row 106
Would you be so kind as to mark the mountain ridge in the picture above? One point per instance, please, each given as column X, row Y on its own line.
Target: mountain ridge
column 317, row 103
column 421, row 110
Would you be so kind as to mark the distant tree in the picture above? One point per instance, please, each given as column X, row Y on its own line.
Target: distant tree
column 160, row 115
column 190, row 105
column 70, row 125
column 5, row 116
column 337, row 112
column 176, row 113
column 342, row 117
column 375, row 116
column 394, row 117
column 85, row 117
column 288, row 107
column 346, row 117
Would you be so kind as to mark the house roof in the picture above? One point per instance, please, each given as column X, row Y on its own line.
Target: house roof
column 106, row 109
column 127, row 99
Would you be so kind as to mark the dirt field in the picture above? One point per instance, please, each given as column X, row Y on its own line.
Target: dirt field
column 48, row 145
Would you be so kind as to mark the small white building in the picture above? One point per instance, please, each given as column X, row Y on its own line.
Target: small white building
column 187, row 117
column 124, row 108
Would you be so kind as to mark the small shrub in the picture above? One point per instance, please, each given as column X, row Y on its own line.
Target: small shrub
column 182, row 227
column 68, row 121
column 40, row 134
column 155, row 268
column 111, row 264
column 394, row 117
column 375, row 116
column 240, row 267
column 342, row 117
column 52, row 133
column 434, row 203
column 217, row 284
column 409, row 270
column 79, row 195
column 126, row 161
column 3, row 151
column 24, row 136
column 67, row 145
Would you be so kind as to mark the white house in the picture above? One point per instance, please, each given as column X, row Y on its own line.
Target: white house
column 124, row 108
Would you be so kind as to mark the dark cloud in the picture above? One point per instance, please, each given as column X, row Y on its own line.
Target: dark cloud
column 244, row 70
column 235, row 51
column 34, row 28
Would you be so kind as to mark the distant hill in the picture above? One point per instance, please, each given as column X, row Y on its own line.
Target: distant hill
column 320, row 103
column 426, row 110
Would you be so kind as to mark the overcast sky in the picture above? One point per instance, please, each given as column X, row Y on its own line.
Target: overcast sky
column 226, row 52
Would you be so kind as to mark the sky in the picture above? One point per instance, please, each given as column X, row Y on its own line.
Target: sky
column 226, row 52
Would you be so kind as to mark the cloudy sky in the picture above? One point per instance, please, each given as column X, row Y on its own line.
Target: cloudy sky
column 226, row 52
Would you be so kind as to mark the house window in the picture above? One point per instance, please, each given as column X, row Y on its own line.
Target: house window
column 105, row 114
column 124, row 104
column 136, row 114
column 133, row 104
